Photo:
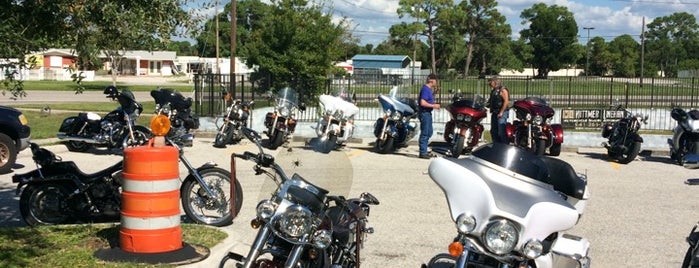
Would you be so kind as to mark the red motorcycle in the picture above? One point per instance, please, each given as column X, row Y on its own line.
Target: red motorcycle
column 532, row 128
column 464, row 130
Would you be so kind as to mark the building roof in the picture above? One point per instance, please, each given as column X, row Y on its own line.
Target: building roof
column 380, row 61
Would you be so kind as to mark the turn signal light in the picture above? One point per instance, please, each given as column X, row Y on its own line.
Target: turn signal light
column 255, row 223
column 455, row 249
column 160, row 125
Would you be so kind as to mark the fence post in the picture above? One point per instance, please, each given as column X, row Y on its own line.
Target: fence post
column 611, row 90
column 526, row 87
column 691, row 100
column 570, row 90
column 626, row 94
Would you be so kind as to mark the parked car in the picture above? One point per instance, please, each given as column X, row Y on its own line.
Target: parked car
column 14, row 136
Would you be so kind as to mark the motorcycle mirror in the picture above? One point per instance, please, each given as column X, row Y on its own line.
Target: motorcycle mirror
column 369, row 198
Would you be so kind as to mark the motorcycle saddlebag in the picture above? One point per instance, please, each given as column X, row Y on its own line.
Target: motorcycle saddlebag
column 69, row 124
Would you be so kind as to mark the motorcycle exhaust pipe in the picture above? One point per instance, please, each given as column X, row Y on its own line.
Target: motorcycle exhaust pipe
column 66, row 137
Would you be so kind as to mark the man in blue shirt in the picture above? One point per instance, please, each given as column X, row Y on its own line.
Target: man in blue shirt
column 427, row 104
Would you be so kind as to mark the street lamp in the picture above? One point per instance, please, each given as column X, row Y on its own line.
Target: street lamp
column 587, row 53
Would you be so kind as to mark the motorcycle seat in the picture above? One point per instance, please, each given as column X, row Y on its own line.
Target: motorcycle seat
column 563, row 178
column 69, row 167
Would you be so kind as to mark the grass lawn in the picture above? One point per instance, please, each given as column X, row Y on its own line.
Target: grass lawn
column 74, row 245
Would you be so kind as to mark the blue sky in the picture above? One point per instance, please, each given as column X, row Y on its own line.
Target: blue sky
column 371, row 19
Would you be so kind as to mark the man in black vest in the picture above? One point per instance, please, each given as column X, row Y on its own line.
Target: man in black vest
column 498, row 103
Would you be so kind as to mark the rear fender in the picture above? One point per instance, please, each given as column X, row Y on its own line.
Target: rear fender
column 35, row 177
column 70, row 125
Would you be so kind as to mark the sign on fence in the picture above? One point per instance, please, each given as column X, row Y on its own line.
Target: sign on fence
column 588, row 118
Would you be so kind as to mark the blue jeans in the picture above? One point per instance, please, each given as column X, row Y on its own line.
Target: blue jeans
column 497, row 127
column 425, row 131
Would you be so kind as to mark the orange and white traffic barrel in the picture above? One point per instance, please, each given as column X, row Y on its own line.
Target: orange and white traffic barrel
column 150, row 209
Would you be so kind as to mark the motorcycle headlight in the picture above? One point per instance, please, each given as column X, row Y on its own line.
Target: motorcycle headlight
column 533, row 249
column 538, row 120
column 501, row 237
column 284, row 111
column 322, row 238
column 463, row 117
column 165, row 109
column 396, row 116
column 465, row 223
column 528, row 117
column 266, row 209
column 296, row 221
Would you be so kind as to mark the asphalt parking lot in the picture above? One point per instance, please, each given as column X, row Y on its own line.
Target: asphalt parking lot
column 638, row 214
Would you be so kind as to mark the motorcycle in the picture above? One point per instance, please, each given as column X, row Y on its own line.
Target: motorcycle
column 177, row 108
column 58, row 192
column 532, row 128
column 236, row 117
column 691, row 257
column 624, row 142
column 335, row 119
column 463, row 131
column 281, row 122
column 511, row 209
column 301, row 225
column 117, row 129
column 396, row 126
column 685, row 137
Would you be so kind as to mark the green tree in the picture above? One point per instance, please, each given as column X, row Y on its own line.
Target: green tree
column 552, row 32
column 672, row 39
column 295, row 45
column 626, row 55
column 425, row 11
column 601, row 61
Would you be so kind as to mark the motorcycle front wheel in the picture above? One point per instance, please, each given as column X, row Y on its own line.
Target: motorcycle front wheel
column 442, row 261
column 45, row 204
column 78, row 146
column 223, row 136
column 691, row 258
column 539, row 146
column 276, row 140
column 458, row 147
column 384, row 146
column 204, row 209
column 631, row 154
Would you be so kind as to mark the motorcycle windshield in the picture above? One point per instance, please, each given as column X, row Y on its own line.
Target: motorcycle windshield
column 398, row 99
column 164, row 96
column 470, row 100
column 287, row 99
column 338, row 101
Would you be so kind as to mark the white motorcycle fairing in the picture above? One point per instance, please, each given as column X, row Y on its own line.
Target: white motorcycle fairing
column 336, row 106
column 489, row 192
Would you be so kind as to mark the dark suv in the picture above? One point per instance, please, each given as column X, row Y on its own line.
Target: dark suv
column 14, row 136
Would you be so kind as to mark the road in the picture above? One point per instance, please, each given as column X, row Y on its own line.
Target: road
column 638, row 214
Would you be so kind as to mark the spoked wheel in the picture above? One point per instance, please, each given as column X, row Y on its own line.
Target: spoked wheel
column 45, row 204
column 8, row 153
column 78, row 146
column 211, row 210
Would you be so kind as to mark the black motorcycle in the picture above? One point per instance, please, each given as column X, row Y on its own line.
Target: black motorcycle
column 178, row 109
column 58, row 192
column 301, row 225
column 117, row 129
column 235, row 118
column 624, row 142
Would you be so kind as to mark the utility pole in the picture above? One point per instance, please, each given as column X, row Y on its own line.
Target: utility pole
column 234, row 26
column 218, row 69
column 587, row 49
column 643, row 44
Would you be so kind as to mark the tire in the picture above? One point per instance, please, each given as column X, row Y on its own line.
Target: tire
column 8, row 153
column 141, row 136
column 632, row 153
column 45, row 204
column 78, row 146
column 458, row 148
column 384, row 147
column 277, row 140
column 223, row 137
column 539, row 147
column 202, row 209
column 555, row 149
column 691, row 251
column 442, row 261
